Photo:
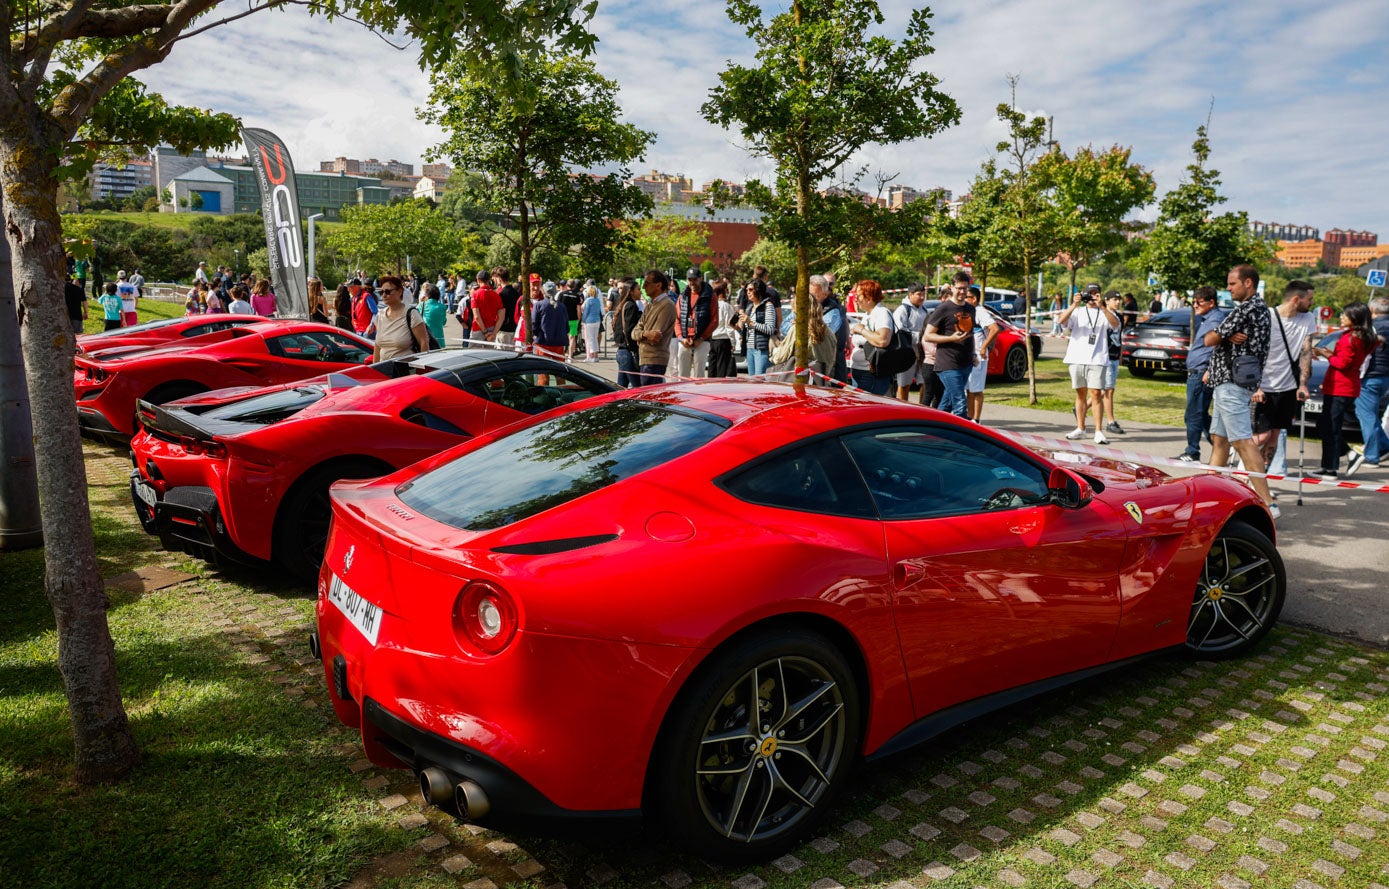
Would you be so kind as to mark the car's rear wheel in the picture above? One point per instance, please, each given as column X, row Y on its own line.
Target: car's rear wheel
column 1239, row 595
column 1015, row 363
column 757, row 748
column 301, row 525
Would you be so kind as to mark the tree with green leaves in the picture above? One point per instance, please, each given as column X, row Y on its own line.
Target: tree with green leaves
column 972, row 235
column 382, row 237
column 1027, row 225
column 821, row 90
column 1190, row 245
column 1094, row 192
column 68, row 98
column 532, row 150
column 662, row 241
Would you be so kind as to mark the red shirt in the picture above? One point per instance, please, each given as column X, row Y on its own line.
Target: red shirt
column 1343, row 373
column 487, row 306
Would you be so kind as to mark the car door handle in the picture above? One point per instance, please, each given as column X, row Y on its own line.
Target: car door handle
column 905, row 574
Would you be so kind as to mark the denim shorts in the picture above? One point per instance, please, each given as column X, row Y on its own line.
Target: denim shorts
column 1111, row 375
column 1230, row 412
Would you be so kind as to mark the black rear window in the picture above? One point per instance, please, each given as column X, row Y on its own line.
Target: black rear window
column 273, row 407
column 1175, row 317
column 555, row 462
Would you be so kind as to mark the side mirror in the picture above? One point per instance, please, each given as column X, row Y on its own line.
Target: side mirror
column 1068, row 490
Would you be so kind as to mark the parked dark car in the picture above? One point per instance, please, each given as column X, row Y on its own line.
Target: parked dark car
column 1313, row 407
column 1160, row 343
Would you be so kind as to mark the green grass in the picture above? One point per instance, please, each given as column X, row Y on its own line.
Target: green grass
column 1158, row 399
column 240, row 785
column 170, row 220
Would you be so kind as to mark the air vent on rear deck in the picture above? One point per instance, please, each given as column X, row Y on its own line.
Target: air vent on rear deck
column 550, row 547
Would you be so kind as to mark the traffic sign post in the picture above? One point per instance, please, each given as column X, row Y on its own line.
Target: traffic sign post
column 1375, row 279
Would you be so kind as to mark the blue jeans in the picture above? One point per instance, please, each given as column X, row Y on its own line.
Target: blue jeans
column 952, row 399
column 758, row 359
column 1198, row 412
column 873, row 384
column 627, row 368
column 1367, row 412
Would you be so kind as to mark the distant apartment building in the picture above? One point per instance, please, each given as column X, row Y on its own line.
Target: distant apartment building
column 1358, row 256
column 737, row 189
column 118, row 182
column 664, row 188
column 1280, row 231
column 1351, row 238
column 732, row 230
column 430, row 188
column 955, row 204
column 1307, row 253
column 228, row 185
column 899, row 196
column 438, row 172
column 351, row 166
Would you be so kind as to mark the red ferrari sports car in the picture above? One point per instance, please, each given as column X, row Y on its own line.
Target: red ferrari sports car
column 704, row 602
column 108, row 385
column 161, row 331
column 244, row 475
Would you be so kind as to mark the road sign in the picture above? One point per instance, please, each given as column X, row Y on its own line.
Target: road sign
column 1152, row 280
column 1375, row 277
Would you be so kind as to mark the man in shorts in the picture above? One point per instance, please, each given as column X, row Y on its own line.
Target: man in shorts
column 1283, row 386
column 911, row 316
column 1088, row 322
column 1114, row 302
column 985, row 332
column 1241, row 349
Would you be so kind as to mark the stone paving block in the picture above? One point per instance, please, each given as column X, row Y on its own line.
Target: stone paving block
column 1171, row 808
column 788, row 864
column 993, row 756
column 896, row 848
column 856, row 828
column 528, row 868
column 1053, row 758
column 1257, row 793
column 925, row 831
column 1180, row 860
column 970, row 768
column 412, row 821
column 1106, row 858
column 1345, row 850
column 1230, row 881
column 1360, row 830
column 1112, row 806
column 823, row 845
column 1370, row 813
column 752, row 881
column 433, row 842
column 1318, row 793
column 1134, row 790
column 916, row 797
column 1152, row 823
column 1022, row 816
column 1291, row 765
column 1090, row 773
column 1070, row 788
column 1030, row 771
column 937, row 871
column 1228, row 763
column 602, row 873
column 1338, row 780
column 980, row 798
column 825, row 883
column 1160, row 881
column 1010, row 877
column 1089, row 820
column 1039, row 856
column 1322, row 866
column 1291, row 827
column 1277, row 847
column 954, row 815
column 1006, row 783
column 394, row 801
column 1203, row 844
column 859, row 867
column 1154, row 776
column 1064, row 836
column 965, row 852
column 994, row 834
column 1081, row 878
column 501, row 847
column 887, row 813
column 1046, row 800
column 1252, row 864
column 1219, row 825
column 1192, row 791
column 455, row 864
column 1305, row 811
column 943, row 781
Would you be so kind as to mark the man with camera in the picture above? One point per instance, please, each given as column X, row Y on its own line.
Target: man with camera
column 1241, row 344
column 1088, row 321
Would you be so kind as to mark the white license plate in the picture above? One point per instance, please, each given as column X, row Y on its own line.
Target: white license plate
column 145, row 491
column 365, row 616
column 1149, row 353
column 1311, row 407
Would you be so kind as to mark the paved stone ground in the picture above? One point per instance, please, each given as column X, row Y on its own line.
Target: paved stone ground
column 1092, row 775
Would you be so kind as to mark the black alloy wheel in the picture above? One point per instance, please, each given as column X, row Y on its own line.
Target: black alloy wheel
column 1239, row 595
column 1015, row 364
column 301, row 525
column 759, row 747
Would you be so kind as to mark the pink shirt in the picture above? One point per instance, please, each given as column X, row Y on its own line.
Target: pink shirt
column 263, row 304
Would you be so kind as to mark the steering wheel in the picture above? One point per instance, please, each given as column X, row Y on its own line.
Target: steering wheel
column 515, row 392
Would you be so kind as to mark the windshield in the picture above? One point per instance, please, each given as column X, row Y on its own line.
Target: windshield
column 555, row 462
column 273, row 407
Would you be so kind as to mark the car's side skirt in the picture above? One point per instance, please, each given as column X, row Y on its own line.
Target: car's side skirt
column 928, row 727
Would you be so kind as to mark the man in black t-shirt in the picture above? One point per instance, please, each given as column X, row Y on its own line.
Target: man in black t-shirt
column 951, row 328
column 76, row 299
column 570, row 299
column 510, row 295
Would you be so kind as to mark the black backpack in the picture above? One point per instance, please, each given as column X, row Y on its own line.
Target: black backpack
column 898, row 355
column 414, row 344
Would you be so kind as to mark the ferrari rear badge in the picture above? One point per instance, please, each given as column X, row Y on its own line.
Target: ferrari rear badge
column 1135, row 511
column 347, row 559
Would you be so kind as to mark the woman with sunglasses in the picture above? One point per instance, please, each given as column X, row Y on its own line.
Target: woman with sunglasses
column 400, row 330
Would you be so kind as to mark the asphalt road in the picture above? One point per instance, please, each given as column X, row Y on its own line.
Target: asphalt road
column 1335, row 544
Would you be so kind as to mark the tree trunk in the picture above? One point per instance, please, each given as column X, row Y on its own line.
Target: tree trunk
column 1027, row 329
column 526, row 295
column 104, row 745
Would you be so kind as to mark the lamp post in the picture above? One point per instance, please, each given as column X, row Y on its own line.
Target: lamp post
column 312, row 256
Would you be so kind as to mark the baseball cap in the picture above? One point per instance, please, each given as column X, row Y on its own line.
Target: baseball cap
column 549, row 288
column 692, row 274
column 1113, row 294
column 1092, row 288
column 121, row 276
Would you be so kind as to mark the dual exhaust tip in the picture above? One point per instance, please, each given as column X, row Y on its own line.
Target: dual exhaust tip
column 468, row 798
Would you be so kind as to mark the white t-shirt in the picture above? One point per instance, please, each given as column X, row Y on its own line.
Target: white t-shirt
column 127, row 292
column 1278, row 369
column 1089, row 330
column 877, row 319
column 910, row 317
column 983, row 319
column 240, row 307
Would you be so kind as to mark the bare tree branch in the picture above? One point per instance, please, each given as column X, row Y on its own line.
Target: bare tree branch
column 313, row 5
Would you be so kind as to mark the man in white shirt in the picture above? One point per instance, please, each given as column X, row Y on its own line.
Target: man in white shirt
column 1283, row 386
column 911, row 316
column 1088, row 322
column 129, row 297
column 200, row 274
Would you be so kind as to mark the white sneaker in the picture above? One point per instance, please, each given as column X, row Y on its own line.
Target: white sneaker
column 1274, row 511
column 1099, row 437
column 1075, row 435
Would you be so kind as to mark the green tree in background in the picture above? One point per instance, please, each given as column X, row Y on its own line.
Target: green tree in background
column 778, row 256
column 531, row 148
column 1191, row 245
column 821, row 89
column 662, row 242
column 380, row 237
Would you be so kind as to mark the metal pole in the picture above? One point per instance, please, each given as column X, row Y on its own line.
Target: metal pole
column 20, row 524
column 312, row 253
column 1302, row 444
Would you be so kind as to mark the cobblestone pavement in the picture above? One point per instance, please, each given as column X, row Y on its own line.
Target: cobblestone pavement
column 1265, row 772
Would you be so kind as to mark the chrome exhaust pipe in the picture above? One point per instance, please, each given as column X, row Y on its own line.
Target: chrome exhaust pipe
column 471, row 800
column 435, row 786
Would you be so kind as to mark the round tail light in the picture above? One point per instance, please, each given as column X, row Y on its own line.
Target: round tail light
column 484, row 617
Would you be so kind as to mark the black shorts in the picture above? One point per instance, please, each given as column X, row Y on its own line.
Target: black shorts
column 1278, row 410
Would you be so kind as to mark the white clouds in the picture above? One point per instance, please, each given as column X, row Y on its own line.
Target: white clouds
column 1297, row 131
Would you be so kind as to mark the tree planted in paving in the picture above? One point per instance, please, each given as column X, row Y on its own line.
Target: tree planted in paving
column 532, row 148
column 67, row 93
column 822, row 88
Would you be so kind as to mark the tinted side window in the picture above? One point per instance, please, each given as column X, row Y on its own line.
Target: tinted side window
column 927, row 471
column 534, row 391
column 818, row 477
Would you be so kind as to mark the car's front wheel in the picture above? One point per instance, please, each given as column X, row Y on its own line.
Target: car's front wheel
column 1239, row 595
column 758, row 747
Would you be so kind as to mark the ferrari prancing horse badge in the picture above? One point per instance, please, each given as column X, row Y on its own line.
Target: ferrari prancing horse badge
column 1134, row 511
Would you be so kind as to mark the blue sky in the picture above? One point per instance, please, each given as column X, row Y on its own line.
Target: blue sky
column 1299, row 130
